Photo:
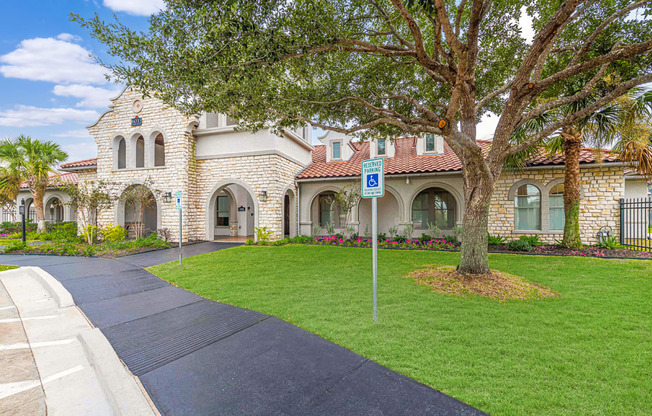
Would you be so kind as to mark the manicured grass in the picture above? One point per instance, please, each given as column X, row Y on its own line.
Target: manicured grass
column 3, row 267
column 588, row 352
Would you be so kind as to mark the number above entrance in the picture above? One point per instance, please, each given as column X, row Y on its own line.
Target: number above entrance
column 373, row 178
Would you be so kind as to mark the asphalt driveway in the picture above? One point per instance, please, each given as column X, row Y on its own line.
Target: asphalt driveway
column 199, row 357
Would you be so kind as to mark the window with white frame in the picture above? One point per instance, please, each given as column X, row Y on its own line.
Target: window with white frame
column 430, row 142
column 527, row 208
column 336, row 150
column 382, row 149
column 556, row 207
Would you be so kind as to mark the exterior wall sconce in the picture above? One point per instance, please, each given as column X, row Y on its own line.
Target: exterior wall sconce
column 167, row 197
column 407, row 180
column 263, row 196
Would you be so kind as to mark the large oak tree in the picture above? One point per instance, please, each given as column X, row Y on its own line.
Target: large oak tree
column 385, row 68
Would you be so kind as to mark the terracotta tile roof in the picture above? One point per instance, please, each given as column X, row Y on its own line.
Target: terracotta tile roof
column 59, row 178
column 88, row 163
column 406, row 161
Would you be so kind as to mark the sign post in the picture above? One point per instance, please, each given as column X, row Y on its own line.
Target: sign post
column 373, row 186
column 21, row 210
column 178, row 199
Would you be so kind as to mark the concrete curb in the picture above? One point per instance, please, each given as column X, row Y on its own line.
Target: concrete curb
column 124, row 393
column 52, row 285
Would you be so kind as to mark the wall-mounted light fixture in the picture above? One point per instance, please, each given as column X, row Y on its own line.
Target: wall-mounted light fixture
column 407, row 180
column 167, row 197
column 263, row 196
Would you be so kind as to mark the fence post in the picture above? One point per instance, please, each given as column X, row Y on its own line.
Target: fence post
column 622, row 220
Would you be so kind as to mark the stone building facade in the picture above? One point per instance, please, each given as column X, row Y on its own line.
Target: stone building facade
column 233, row 181
column 258, row 180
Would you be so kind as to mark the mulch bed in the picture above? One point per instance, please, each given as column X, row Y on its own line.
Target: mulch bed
column 497, row 285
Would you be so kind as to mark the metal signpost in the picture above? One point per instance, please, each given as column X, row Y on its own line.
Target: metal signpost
column 373, row 186
column 21, row 210
column 177, row 205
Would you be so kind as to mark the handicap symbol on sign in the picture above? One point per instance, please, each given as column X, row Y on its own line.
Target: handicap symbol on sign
column 372, row 180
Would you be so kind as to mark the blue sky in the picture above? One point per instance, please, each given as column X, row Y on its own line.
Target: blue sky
column 50, row 88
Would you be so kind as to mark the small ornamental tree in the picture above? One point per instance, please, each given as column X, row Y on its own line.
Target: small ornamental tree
column 88, row 199
column 343, row 201
column 386, row 68
column 138, row 198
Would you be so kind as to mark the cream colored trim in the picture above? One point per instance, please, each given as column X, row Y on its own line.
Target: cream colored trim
column 252, row 153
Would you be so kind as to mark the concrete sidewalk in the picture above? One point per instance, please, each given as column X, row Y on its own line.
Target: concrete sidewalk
column 75, row 368
column 199, row 357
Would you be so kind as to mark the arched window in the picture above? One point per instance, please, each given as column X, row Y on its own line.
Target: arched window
column 122, row 154
column 527, row 208
column 556, row 204
column 326, row 209
column 434, row 206
column 140, row 152
column 159, row 151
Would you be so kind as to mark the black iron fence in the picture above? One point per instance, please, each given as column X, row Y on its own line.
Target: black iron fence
column 636, row 223
column 9, row 216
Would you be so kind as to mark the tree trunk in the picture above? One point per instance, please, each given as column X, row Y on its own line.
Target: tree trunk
column 572, row 144
column 38, row 207
column 478, row 189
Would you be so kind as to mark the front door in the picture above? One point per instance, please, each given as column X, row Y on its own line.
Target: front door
column 286, row 216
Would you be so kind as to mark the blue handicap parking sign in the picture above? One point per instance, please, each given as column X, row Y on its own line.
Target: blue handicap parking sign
column 372, row 180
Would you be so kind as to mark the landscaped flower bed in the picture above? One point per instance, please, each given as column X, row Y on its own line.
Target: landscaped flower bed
column 412, row 243
column 530, row 246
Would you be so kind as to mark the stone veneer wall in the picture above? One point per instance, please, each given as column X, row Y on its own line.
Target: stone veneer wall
column 272, row 173
column 602, row 187
column 178, row 171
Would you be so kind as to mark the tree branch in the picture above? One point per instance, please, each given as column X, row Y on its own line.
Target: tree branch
column 391, row 26
column 492, row 95
column 603, row 25
column 572, row 118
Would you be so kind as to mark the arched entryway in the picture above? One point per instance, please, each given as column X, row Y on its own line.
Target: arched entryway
column 389, row 214
column 138, row 211
column 231, row 211
column 289, row 214
column 435, row 206
column 54, row 210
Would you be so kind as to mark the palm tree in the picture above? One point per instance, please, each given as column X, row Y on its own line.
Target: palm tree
column 624, row 125
column 31, row 161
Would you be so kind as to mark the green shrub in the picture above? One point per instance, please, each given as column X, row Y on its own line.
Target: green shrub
column 16, row 245
column 63, row 231
column 250, row 242
column 301, row 239
column 519, row 245
column 112, row 233
column 452, row 239
column 17, row 227
column 495, row 240
column 609, row 243
column 532, row 240
column 262, row 234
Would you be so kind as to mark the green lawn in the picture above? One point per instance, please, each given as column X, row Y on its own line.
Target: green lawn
column 3, row 267
column 588, row 352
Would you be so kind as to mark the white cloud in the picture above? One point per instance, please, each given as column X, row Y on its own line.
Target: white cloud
column 92, row 97
column 76, row 134
column 53, row 60
column 135, row 7
column 67, row 37
column 526, row 24
column 487, row 126
column 30, row 116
